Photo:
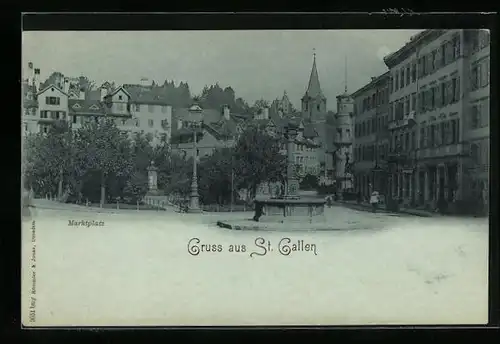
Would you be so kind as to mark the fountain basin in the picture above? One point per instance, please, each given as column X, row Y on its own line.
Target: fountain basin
column 289, row 209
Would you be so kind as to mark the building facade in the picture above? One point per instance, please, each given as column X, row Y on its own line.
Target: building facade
column 435, row 83
column 371, row 136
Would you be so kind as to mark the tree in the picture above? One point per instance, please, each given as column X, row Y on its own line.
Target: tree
column 48, row 159
column 258, row 159
column 215, row 177
column 106, row 151
column 259, row 105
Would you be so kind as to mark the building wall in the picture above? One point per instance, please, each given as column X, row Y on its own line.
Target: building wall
column 154, row 119
column 51, row 111
column 435, row 115
column 371, row 143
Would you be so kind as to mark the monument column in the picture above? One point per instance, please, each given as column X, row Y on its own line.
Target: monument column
column 152, row 179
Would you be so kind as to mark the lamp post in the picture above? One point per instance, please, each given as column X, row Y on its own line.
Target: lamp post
column 195, row 120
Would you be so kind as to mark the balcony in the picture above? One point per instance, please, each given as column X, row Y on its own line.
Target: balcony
column 457, row 149
column 342, row 141
column 407, row 120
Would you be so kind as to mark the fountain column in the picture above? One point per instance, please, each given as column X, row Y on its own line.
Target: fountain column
column 292, row 187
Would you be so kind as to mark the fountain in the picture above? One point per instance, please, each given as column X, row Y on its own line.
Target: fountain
column 289, row 211
column 289, row 207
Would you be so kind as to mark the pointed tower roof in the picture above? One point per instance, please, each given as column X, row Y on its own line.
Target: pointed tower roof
column 314, row 88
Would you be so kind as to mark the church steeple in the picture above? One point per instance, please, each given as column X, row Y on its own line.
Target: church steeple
column 314, row 101
column 314, row 88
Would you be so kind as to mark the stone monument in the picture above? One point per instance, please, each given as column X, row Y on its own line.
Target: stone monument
column 152, row 179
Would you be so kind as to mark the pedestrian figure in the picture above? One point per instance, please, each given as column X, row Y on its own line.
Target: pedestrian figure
column 329, row 201
column 374, row 200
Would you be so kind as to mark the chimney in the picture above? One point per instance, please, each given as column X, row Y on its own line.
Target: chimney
column 65, row 86
column 265, row 113
column 179, row 124
column 226, row 112
column 36, row 78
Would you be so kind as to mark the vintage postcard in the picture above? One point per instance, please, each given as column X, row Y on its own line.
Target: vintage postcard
column 281, row 177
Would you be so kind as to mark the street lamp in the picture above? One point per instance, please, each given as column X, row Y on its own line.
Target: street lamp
column 195, row 120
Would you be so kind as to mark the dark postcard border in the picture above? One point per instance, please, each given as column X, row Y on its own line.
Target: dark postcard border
column 67, row 21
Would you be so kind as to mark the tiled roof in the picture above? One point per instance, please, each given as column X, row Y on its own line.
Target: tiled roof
column 146, row 95
column 86, row 106
column 208, row 115
column 94, row 95
column 49, row 86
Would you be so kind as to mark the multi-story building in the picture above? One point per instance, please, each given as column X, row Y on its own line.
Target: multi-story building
column 52, row 106
column 150, row 110
column 371, row 139
column 431, row 94
column 477, row 123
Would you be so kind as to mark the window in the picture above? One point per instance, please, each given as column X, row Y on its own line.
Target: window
column 151, row 123
column 475, row 116
column 390, row 84
column 456, row 46
column 120, row 97
column 45, row 129
column 485, row 73
column 43, row 114
column 151, row 108
column 413, row 142
column 407, row 105
column 390, row 111
column 164, row 109
column 74, row 118
column 449, row 50
column 317, row 107
column 484, row 38
column 396, row 85
column 475, row 77
column 432, row 136
column 407, row 141
column 137, row 107
column 137, row 122
column 442, row 133
column 456, row 89
column 54, row 114
column 402, row 78
column 408, row 75
column 475, row 152
column 442, row 54
column 455, row 126
column 413, row 101
column 413, row 72
column 433, row 60
column 52, row 100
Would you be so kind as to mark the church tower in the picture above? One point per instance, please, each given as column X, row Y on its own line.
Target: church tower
column 314, row 101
